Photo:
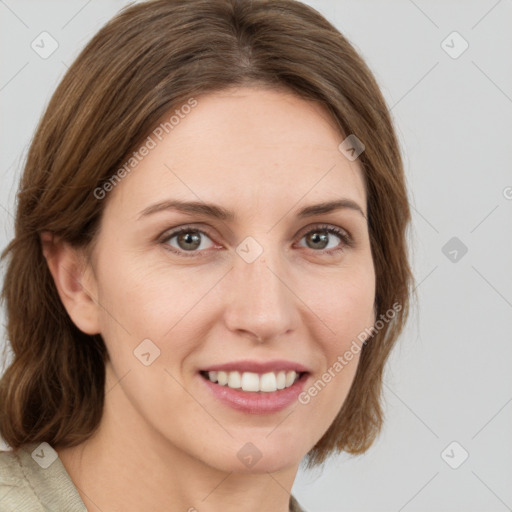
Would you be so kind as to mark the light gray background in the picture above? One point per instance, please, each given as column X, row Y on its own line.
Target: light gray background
column 449, row 379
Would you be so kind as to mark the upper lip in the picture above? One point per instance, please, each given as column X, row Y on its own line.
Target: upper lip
column 245, row 365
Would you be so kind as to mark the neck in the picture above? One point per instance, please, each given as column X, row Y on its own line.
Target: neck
column 128, row 465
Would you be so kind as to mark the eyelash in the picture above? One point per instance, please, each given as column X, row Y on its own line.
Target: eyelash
column 346, row 240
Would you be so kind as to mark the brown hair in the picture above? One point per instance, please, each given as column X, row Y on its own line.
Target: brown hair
column 152, row 57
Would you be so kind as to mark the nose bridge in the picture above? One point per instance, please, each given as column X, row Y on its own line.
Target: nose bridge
column 261, row 277
column 262, row 303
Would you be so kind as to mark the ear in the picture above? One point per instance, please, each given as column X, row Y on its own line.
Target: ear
column 74, row 281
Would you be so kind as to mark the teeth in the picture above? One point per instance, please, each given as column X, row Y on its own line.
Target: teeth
column 249, row 381
column 268, row 382
column 290, row 379
column 281, row 380
column 234, row 380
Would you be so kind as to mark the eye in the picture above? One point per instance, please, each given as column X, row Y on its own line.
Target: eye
column 320, row 239
column 190, row 241
column 187, row 239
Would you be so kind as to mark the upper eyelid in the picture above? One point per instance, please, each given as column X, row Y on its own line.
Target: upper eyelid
column 323, row 225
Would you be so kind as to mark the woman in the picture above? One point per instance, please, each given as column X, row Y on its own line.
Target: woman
column 209, row 268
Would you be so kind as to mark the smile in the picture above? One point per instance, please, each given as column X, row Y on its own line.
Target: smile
column 256, row 387
column 253, row 382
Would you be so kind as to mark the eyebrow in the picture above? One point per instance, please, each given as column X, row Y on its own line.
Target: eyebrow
column 218, row 212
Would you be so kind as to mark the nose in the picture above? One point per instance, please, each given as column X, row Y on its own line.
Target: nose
column 261, row 304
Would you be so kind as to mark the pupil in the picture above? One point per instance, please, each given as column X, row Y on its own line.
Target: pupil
column 190, row 239
column 319, row 238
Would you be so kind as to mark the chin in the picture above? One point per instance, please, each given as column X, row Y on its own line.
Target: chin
column 264, row 453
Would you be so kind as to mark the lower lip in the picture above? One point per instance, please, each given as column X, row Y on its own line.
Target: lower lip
column 257, row 402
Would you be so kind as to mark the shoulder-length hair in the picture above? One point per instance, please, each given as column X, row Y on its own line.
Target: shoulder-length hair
column 149, row 59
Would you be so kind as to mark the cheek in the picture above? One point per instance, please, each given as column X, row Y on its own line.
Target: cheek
column 143, row 307
column 141, row 297
column 344, row 303
column 354, row 312
column 144, row 300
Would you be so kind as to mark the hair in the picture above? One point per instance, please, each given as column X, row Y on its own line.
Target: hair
column 150, row 58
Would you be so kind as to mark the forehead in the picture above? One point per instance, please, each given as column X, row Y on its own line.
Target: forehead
column 250, row 147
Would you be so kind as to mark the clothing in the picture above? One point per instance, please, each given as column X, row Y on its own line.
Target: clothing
column 26, row 486
column 33, row 479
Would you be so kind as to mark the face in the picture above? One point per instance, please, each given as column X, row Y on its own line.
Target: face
column 263, row 296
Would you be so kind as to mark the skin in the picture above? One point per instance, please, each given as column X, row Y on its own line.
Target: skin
column 264, row 154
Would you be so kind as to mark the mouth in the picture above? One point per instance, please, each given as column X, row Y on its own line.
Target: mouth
column 251, row 382
column 254, row 387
